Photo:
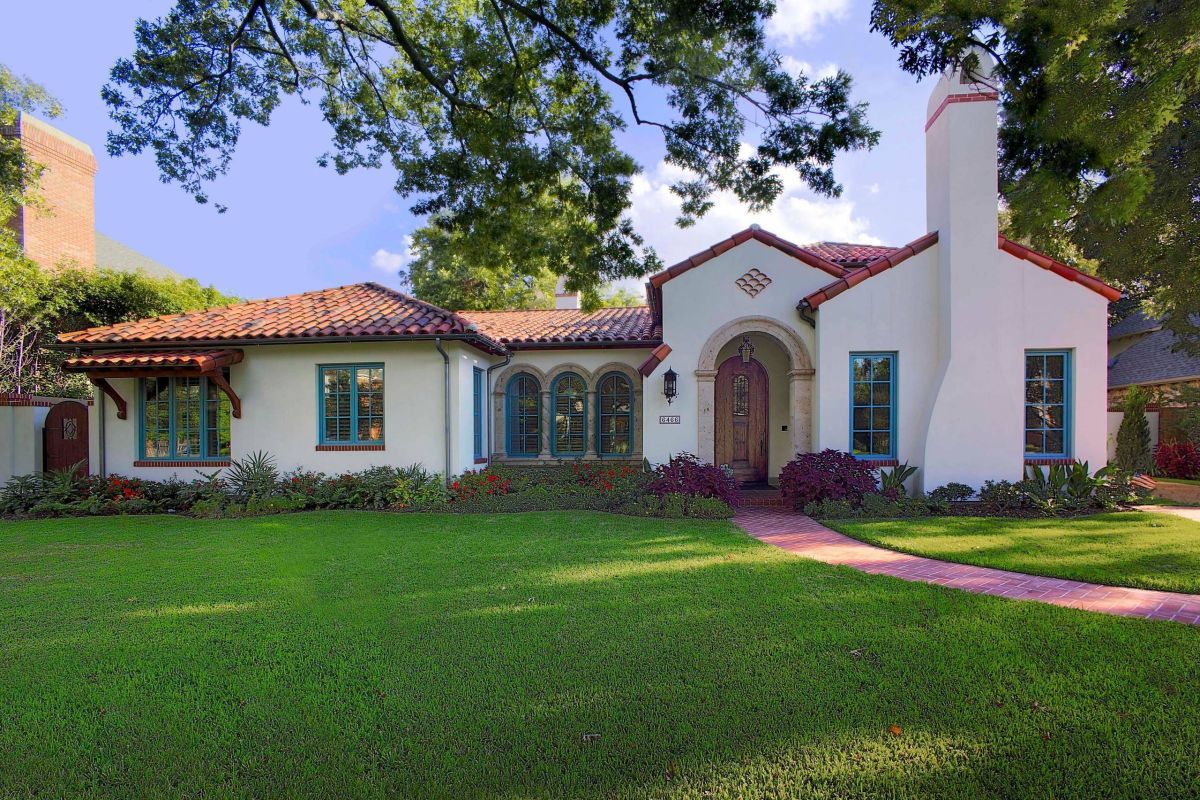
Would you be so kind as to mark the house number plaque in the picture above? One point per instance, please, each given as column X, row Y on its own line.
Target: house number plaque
column 669, row 420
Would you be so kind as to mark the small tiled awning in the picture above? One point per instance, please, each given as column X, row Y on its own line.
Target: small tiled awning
column 149, row 364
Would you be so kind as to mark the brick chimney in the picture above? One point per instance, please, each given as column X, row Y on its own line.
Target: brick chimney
column 64, row 231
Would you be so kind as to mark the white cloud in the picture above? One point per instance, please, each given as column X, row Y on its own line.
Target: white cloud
column 387, row 261
column 797, row 215
column 873, row 188
column 800, row 19
column 797, row 67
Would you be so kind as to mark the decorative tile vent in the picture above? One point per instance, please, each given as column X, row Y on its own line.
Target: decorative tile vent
column 753, row 282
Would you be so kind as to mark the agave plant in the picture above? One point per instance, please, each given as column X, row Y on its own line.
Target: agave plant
column 891, row 482
column 253, row 476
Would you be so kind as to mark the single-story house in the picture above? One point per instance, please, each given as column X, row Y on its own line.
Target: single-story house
column 1142, row 352
column 962, row 353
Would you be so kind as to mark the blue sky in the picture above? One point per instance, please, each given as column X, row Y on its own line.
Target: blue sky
column 294, row 226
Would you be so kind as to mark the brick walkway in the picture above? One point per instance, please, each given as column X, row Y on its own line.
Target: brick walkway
column 803, row 536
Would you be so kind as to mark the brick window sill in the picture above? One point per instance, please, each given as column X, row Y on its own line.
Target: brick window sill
column 881, row 462
column 163, row 463
column 348, row 448
column 1049, row 462
column 481, row 461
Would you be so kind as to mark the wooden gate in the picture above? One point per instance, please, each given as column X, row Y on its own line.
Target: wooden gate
column 65, row 437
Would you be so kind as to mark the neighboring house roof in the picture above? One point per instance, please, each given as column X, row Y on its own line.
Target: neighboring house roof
column 361, row 311
column 568, row 327
column 1150, row 359
column 1137, row 322
column 113, row 255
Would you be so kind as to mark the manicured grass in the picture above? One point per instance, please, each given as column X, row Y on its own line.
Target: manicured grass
column 358, row 654
column 1145, row 550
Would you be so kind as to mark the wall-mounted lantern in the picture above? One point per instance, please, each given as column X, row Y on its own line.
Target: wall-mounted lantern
column 670, row 385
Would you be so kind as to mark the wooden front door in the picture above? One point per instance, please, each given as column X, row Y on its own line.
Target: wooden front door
column 65, row 437
column 741, row 418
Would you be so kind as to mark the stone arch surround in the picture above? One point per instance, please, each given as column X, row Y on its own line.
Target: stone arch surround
column 799, row 375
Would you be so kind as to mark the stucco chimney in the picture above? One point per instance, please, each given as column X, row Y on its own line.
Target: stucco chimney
column 563, row 298
column 65, row 230
column 979, row 324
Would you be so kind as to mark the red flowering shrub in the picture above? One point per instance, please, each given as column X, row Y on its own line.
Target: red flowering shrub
column 1177, row 460
column 472, row 484
column 687, row 475
column 602, row 477
column 115, row 488
column 827, row 475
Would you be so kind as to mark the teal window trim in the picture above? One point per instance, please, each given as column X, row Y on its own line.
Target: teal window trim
column 522, row 424
column 605, row 440
column 477, row 411
column 874, row 403
column 206, row 432
column 1049, row 396
column 582, row 416
column 353, row 415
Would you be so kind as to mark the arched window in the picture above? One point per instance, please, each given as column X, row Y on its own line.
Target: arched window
column 615, row 420
column 523, row 411
column 568, row 398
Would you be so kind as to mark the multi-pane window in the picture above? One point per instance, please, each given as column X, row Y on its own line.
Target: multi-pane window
column 1047, row 393
column 351, row 404
column 523, row 411
column 614, row 395
column 569, row 398
column 477, row 381
column 184, row 418
column 873, row 405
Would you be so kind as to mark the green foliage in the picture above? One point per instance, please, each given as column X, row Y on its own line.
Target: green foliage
column 876, row 505
column 499, row 117
column 19, row 174
column 891, row 482
column 1002, row 497
column 951, row 493
column 1100, row 104
column 417, row 489
column 39, row 305
column 254, row 476
column 1064, row 487
column 1189, row 419
column 1133, row 437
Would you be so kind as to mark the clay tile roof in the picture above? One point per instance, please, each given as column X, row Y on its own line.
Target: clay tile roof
column 568, row 326
column 886, row 258
column 194, row 359
column 849, row 255
column 361, row 310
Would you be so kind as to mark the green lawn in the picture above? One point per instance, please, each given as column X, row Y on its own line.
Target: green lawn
column 1149, row 551
column 358, row 654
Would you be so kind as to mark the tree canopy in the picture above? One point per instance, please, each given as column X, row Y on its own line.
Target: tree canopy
column 488, row 109
column 1098, row 141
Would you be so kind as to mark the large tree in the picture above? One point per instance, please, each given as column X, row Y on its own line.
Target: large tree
column 487, row 107
column 1099, row 141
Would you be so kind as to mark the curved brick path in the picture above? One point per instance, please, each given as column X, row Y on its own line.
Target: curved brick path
column 798, row 534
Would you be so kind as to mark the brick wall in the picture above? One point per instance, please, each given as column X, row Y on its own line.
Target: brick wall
column 65, row 230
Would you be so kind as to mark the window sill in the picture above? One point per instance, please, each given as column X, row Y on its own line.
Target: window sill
column 481, row 460
column 348, row 448
column 1048, row 461
column 879, row 462
column 168, row 463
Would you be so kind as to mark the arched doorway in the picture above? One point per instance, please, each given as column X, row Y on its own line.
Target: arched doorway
column 791, row 377
column 741, row 418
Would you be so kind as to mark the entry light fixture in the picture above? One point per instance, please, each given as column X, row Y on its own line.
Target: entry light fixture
column 670, row 385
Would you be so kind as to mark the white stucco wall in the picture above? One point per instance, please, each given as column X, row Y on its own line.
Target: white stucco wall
column 893, row 312
column 20, row 441
column 699, row 302
column 278, row 388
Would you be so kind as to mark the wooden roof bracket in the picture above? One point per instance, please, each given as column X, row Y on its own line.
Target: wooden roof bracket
column 103, row 385
column 235, row 402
